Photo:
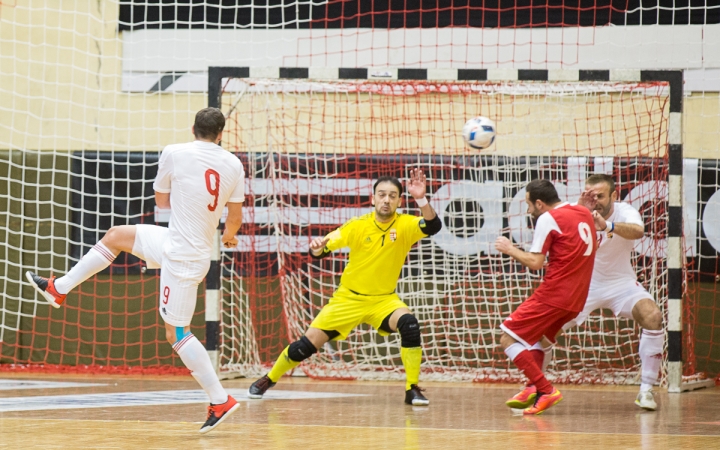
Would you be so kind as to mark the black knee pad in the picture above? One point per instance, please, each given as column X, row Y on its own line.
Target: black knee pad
column 409, row 329
column 301, row 349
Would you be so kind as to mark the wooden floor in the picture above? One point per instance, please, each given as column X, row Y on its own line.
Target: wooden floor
column 39, row 411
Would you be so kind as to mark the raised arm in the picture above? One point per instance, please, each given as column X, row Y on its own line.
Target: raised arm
column 416, row 188
column 629, row 231
column 588, row 198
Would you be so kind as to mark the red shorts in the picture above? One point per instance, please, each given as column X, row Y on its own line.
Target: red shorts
column 534, row 319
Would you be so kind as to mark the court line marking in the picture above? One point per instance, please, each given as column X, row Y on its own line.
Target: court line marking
column 147, row 398
column 17, row 384
column 475, row 431
column 227, row 425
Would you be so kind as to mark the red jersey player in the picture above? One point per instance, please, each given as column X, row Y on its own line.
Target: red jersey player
column 566, row 234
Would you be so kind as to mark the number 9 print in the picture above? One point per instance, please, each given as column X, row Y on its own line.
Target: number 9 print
column 215, row 192
column 586, row 236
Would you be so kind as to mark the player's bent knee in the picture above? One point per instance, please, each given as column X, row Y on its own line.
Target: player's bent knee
column 301, row 349
column 654, row 320
column 111, row 235
column 120, row 238
column 170, row 336
column 506, row 340
column 409, row 329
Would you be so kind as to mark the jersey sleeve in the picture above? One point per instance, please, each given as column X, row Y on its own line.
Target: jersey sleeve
column 415, row 227
column 238, row 194
column 628, row 214
column 340, row 237
column 543, row 237
column 163, row 179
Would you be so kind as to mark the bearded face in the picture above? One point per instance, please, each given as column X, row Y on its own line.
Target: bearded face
column 386, row 200
column 605, row 199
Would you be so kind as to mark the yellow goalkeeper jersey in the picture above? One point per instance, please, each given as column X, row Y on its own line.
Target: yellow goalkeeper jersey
column 377, row 250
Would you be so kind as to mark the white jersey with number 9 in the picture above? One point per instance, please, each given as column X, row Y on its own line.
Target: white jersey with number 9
column 201, row 178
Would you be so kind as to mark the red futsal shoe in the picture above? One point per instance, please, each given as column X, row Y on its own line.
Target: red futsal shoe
column 544, row 401
column 523, row 399
column 218, row 413
column 46, row 288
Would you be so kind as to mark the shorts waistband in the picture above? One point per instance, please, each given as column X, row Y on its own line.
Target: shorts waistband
column 367, row 295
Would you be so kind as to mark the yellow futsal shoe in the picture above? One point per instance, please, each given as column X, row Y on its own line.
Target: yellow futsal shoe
column 523, row 399
column 544, row 401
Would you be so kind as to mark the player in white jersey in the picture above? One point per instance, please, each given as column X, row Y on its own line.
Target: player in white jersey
column 196, row 181
column 614, row 282
column 614, row 285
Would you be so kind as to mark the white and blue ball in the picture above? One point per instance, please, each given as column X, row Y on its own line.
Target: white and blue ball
column 479, row 132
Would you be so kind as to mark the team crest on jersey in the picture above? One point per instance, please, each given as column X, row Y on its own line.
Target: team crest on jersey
column 393, row 235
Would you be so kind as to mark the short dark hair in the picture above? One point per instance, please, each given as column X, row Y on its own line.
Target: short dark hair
column 542, row 190
column 601, row 178
column 388, row 179
column 209, row 122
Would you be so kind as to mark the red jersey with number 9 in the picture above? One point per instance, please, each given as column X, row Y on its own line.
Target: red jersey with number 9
column 201, row 178
column 566, row 234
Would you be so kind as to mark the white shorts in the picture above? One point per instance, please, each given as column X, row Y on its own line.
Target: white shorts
column 621, row 298
column 179, row 280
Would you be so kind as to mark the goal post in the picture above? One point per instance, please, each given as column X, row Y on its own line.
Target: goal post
column 312, row 140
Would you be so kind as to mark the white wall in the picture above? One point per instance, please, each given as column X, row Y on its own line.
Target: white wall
column 695, row 47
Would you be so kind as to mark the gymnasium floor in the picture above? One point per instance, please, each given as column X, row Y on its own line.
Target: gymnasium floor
column 40, row 411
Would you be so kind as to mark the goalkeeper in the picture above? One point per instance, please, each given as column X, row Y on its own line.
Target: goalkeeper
column 379, row 243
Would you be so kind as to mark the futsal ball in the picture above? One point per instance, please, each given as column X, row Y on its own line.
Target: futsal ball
column 479, row 132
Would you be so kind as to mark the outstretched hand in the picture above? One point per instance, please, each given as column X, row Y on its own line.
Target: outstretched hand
column 416, row 183
column 318, row 243
column 588, row 199
column 503, row 245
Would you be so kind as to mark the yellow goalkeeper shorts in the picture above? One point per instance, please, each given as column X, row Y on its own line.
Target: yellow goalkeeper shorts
column 346, row 310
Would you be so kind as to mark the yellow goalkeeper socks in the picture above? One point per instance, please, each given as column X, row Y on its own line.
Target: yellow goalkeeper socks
column 282, row 366
column 411, row 358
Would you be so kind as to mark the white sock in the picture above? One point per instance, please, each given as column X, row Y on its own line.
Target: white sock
column 651, row 347
column 195, row 358
column 514, row 350
column 548, row 357
column 98, row 258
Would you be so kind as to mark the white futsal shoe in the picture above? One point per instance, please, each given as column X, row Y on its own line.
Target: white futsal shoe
column 646, row 400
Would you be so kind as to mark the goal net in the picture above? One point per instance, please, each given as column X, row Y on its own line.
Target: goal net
column 312, row 150
column 91, row 92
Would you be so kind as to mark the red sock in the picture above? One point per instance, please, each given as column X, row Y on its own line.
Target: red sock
column 525, row 361
column 538, row 356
